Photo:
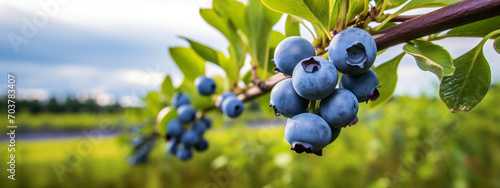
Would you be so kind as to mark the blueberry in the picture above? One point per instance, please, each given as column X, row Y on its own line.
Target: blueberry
column 353, row 51
column 180, row 99
column 174, row 128
column 308, row 133
column 363, row 86
column 339, row 108
column 199, row 127
column 232, row 107
column 335, row 133
column 204, row 85
column 186, row 113
column 202, row 145
column 290, row 51
column 221, row 98
column 286, row 101
column 137, row 141
column 172, row 146
column 207, row 121
column 184, row 153
column 190, row 138
column 314, row 78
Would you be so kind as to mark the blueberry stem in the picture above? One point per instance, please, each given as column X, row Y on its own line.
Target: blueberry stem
column 312, row 106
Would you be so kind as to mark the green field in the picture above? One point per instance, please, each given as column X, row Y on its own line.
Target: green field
column 406, row 142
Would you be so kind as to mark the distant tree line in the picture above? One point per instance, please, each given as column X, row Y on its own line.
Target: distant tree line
column 69, row 105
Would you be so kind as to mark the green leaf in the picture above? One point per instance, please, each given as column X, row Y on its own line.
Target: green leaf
column 188, row 61
column 167, row 87
column 390, row 3
column 292, row 27
column 355, row 7
column 234, row 11
column 203, row 51
column 431, row 57
column 388, row 77
column 164, row 116
column 260, row 22
column 476, row 29
column 223, row 24
column 496, row 44
column 247, row 78
column 413, row 4
column 469, row 84
column 315, row 11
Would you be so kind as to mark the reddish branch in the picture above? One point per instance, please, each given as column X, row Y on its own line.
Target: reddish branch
column 413, row 27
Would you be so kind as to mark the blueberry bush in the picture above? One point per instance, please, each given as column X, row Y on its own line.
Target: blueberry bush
column 319, row 85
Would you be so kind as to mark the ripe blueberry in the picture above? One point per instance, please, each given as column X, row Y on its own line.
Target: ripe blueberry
column 204, row 85
column 314, row 78
column 232, row 107
column 363, row 86
column 190, row 138
column 174, row 128
column 353, row 51
column 172, row 146
column 221, row 98
column 184, row 153
column 286, row 101
column 308, row 132
column 199, row 127
column 290, row 51
column 339, row 108
column 180, row 99
column 202, row 145
column 207, row 121
column 186, row 113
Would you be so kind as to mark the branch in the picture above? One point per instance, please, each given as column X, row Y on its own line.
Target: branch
column 451, row 16
column 454, row 15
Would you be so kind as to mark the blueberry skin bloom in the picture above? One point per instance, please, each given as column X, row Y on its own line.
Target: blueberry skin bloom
column 180, row 99
column 290, row 51
column 232, row 107
column 314, row 78
column 186, row 113
column 308, row 133
column 339, row 108
column 184, row 153
column 204, row 85
column 363, row 86
column 353, row 51
column 190, row 138
column 221, row 98
column 286, row 101
column 175, row 128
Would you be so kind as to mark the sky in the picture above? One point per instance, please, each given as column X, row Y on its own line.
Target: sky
column 117, row 50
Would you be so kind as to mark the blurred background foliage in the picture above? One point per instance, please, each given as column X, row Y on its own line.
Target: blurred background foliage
column 407, row 142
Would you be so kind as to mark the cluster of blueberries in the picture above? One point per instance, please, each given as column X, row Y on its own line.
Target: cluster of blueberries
column 351, row 52
column 186, row 131
column 141, row 146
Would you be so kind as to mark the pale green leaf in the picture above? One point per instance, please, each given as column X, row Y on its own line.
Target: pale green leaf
column 463, row 90
column 164, row 116
column 167, row 87
column 203, row 51
column 315, row 11
column 431, row 57
column 188, row 61
column 390, row 3
column 388, row 78
column 292, row 27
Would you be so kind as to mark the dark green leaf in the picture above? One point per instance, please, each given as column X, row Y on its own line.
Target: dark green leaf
column 292, row 27
column 188, row 61
column 167, row 88
column 469, row 84
column 476, row 29
column 315, row 11
column 496, row 44
column 388, row 77
column 431, row 57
